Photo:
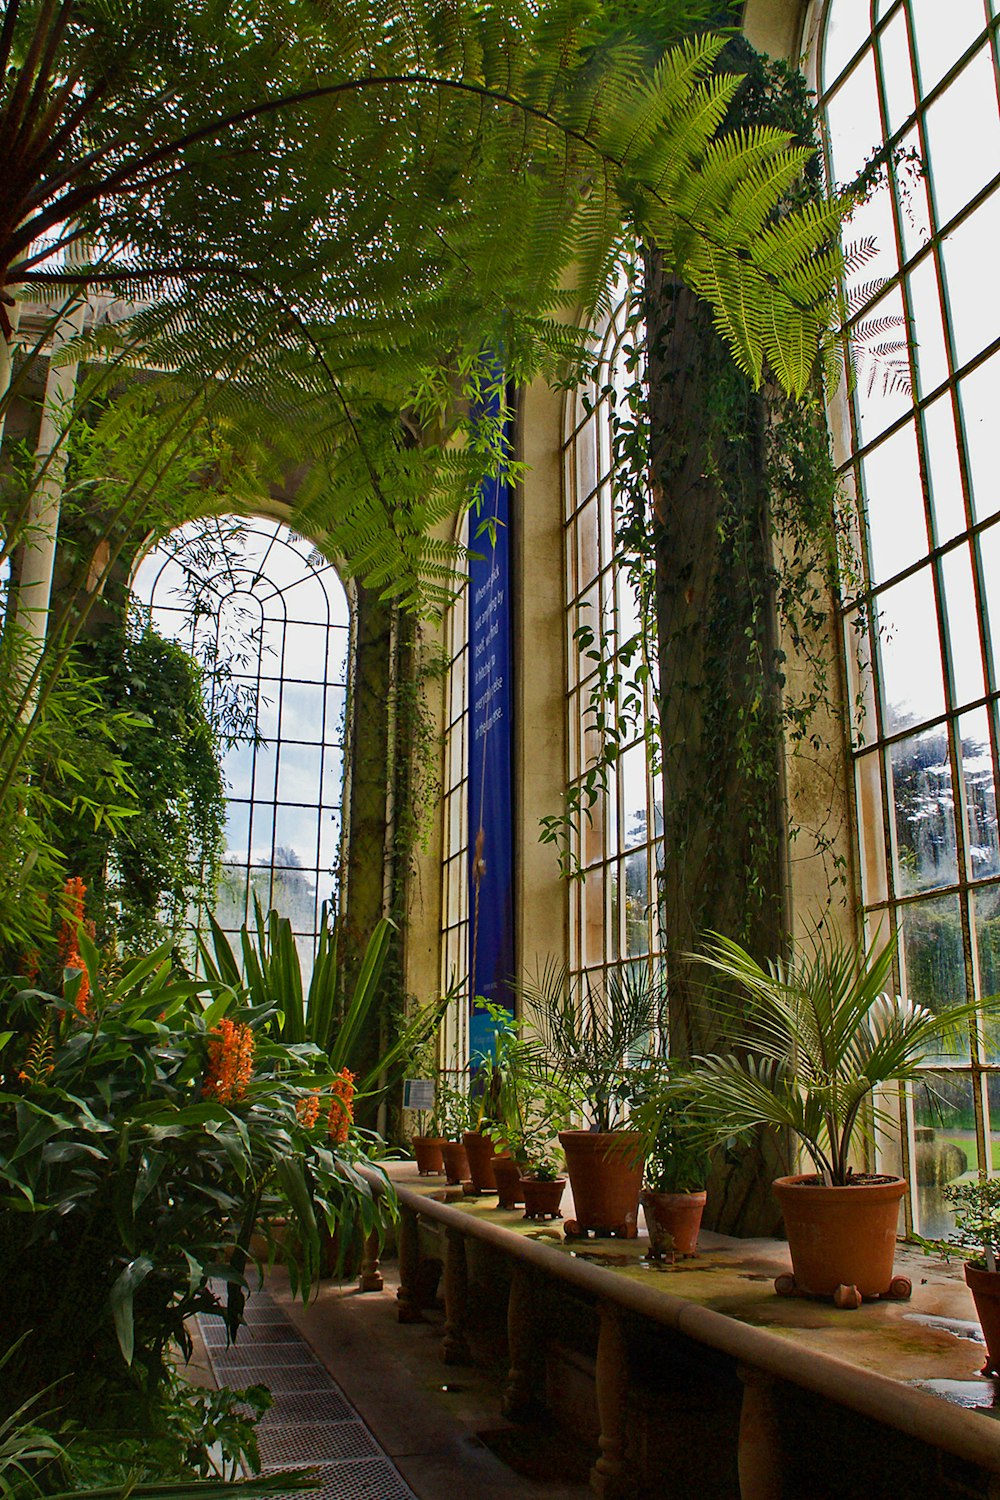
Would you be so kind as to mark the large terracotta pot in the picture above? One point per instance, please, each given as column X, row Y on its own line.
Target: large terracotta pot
column 427, row 1151
column 985, row 1289
column 508, row 1180
column 456, row 1163
column 841, row 1237
column 673, row 1221
column 480, row 1151
column 605, row 1174
column 543, row 1200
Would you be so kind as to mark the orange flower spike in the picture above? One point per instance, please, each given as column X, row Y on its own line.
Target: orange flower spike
column 341, row 1113
column 307, row 1109
column 230, row 1062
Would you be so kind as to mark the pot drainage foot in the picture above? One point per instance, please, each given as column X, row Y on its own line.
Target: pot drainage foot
column 846, row 1296
column 573, row 1230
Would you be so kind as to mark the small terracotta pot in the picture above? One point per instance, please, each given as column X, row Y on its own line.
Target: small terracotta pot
column 508, row 1180
column 542, row 1200
column 456, row 1163
column 985, row 1289
column 605, row 1174
column 480, row 1151
column 427, row 1151
column 673, row 1221
column 840, row 1236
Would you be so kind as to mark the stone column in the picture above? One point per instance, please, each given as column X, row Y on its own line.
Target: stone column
column 609, row 1478
column 760, row 1457
column 409, row 1310
column 524, row 1395
column 455, row 1348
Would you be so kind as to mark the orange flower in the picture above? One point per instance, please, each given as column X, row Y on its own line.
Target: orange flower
column 341, row 1113
column 40, row 1059
column 230, row 1062
column 74, row 891
column 307, row 1109
column 30, row 965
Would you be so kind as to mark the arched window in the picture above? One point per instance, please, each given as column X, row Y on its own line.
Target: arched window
column 268, row 617
column 918, row 438
column 614, row 913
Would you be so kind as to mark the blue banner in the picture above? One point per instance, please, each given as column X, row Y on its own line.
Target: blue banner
column 491, row 855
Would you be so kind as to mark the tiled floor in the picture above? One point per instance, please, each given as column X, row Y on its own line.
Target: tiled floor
column 310, row 1421
column 371, row 1403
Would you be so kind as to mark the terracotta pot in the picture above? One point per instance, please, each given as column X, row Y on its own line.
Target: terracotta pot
column 605, row 1174
column 542, row 1200
column 456, row 1163
column 508, row 1180
column 985, row 1289
column 673, row 1221
column 427, row 1150
column 841, row 1236
column 480, row 1151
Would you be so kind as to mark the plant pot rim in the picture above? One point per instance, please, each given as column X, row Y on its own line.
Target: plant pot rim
column 804, row 1184
column 980, row 1273
column 548, row 1181
column 692, row 1195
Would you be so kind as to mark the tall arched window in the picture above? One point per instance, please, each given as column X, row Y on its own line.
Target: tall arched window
column 919, row 441
column 617, row 847
column 268, row 616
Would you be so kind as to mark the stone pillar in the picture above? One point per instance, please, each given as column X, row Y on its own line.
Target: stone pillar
column 523, row 1397
column 609, row 1478
column 408, row 1296
column 455, row 1348
column 760, row 1457
column 371, row 1278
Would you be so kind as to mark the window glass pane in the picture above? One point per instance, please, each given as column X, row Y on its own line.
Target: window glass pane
column 868, row 772
column 966, row 110
column 634, row 801
column 910, row 176
column 980, row 795
column 894, row 48
column 963, row 626
column 298, row 774
column 261, row 832
column 912, row 684
column 923, row 808
column 969, row 253
column 894, row 499
column 635, row 875
column 935, row 960
column 941, row 448
column 980, row 397
column 945, row 1147
column 931, row 352
column 305, row 647
column 943, row 33
column 883, row 393
column 846, row 30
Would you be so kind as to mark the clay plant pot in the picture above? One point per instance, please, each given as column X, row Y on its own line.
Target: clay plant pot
column 427, row 1151
column 456, row 1163
column 480, row 1151
column 508, row 1180
column 841, row 1237
column 985, row 1289
column 605, row 1174
column 543, row 1200
column 673, row 1221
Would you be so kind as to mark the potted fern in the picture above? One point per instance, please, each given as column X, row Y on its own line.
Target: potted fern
column 600, row 1042
column 817, row 1036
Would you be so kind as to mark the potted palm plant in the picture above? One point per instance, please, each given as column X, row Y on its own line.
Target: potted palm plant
column 601, row 1043
column 816, row 1037
column 977, row 1228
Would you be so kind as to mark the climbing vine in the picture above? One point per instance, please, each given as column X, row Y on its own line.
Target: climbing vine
column 782, row 536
